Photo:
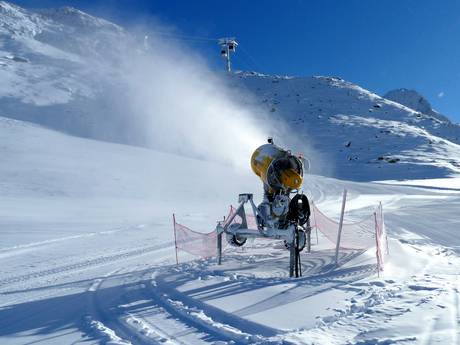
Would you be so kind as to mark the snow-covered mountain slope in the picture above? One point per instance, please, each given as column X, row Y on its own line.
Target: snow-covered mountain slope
column 63, row 69
column 362, row 135
column 52, row 68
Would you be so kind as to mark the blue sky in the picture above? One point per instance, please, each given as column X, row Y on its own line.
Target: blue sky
column 380, row 45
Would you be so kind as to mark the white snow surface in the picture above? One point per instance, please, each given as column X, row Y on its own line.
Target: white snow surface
column 87, row 245
column 88, row 255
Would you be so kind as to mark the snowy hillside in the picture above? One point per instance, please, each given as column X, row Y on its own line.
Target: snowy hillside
column 67, row 70
column 50, row 64
column 97, row 154
column 362, row 135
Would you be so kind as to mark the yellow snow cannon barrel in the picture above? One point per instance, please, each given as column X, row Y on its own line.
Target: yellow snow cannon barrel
column 278, row 169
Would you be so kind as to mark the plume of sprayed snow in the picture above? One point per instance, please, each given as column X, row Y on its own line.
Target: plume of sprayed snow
column 285, row 137
column 177, row 104
column 164, row 96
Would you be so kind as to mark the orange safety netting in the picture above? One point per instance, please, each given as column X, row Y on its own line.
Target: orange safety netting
column 362, row 235
column 195, row 243
column 359, row 235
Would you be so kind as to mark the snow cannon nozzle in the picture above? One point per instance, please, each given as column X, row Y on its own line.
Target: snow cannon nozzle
column 279, row 170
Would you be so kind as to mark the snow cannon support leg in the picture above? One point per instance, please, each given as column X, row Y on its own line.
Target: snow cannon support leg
column 219, row 249
column 175, row 238
column 291, row 261
column 339, row 232
column 295, row 266
column 223, row 226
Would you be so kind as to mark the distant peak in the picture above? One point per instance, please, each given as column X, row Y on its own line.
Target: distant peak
column 414, row 100
column 71, row 10
column 411, row 99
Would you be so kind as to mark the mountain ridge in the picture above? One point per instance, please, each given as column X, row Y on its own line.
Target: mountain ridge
column 69, row 80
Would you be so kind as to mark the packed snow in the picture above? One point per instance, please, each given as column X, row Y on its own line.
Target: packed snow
column 87, row 246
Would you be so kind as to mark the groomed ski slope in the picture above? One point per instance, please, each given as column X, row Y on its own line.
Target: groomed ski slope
column 87, row 255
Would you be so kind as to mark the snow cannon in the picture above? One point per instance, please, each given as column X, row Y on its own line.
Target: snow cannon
column 279, row 169
column 283, row 214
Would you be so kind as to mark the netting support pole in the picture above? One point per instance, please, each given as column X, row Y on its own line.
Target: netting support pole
column 295, row 266
column 298, row 266
column 175, row 238
column 339, row 233
column 292, row 259
column 377, row 245
column 316, row 225
column 292, row 254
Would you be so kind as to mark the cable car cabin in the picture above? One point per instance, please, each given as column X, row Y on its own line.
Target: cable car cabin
column 223, row 52
column 231, row 47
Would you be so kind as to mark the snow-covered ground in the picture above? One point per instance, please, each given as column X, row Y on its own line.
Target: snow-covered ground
column 87, row 255
column 87, row 246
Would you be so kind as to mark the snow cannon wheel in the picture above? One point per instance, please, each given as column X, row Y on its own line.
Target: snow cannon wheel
column 235, row 240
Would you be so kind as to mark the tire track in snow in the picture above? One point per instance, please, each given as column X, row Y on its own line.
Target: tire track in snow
column 229, row 326
column 139, row 327
column 93, row 321
column 207, row 318
column 20, row 248
column 154, row 334
column 233, row 327
column 129, row 325
column 85, row 264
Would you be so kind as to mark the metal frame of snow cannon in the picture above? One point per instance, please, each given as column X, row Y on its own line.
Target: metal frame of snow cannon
column 290, row 235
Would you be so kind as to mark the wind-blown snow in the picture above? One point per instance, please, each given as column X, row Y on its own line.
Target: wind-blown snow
column 86, row 76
